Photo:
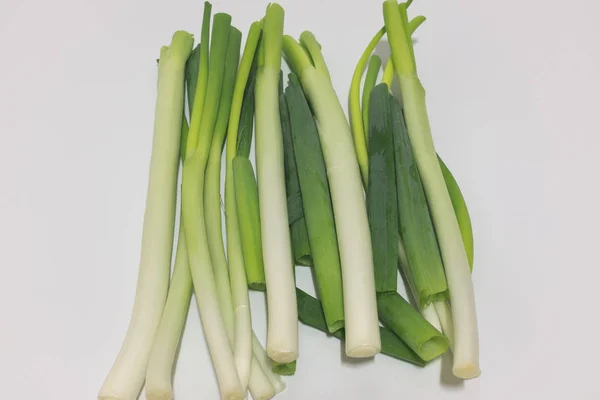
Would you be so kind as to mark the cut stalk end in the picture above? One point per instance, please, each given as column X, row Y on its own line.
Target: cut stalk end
column 433, row 347
column 282, row 356
column 335, row 326
column 466, row 371
column 364, row 351
column 159, row 395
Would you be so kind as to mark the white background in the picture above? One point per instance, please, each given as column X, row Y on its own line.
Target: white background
column 513, row 91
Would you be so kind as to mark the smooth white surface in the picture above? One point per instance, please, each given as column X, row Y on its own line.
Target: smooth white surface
column 513, row 92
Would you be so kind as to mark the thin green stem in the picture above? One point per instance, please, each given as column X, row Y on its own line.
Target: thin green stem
column 370, row 81
column 202, row 83
column 356, row 118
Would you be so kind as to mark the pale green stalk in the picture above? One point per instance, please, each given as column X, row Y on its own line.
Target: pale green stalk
column 194, row 222
column 282, row 327
column 212, row 197
column 127, row 374
column 456, row 264
column 168, row 337
column 370, row 82
column 350, row 213
column 388, row 73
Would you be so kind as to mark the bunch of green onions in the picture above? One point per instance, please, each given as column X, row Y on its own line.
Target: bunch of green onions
column 435, row 243
column 351, row 200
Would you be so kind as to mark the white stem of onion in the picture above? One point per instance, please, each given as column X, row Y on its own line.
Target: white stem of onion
column 127, row 374
column 282, row 327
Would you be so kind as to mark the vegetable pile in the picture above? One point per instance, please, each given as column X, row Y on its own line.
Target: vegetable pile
column 354, row 201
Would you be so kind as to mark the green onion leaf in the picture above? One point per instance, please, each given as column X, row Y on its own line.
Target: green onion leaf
column 298, row 232
column 382, row 203
column 317, row 205
column 425, row 268
column 246, row 199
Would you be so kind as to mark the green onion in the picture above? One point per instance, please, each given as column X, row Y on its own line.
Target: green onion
column 310, row 312
column 296, row 219
column 316, row 203
column 246, row 196
column 370, row 81
column 429, row 311
column 193, row 188
column 382, row 201
column 456, row 264
column 282, row 327
column 168, row 336
column 409, row 325
column 127, row 374
column 352, row 226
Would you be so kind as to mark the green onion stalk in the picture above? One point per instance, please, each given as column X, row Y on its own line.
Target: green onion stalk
column 261, row 382
column 282, row 326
